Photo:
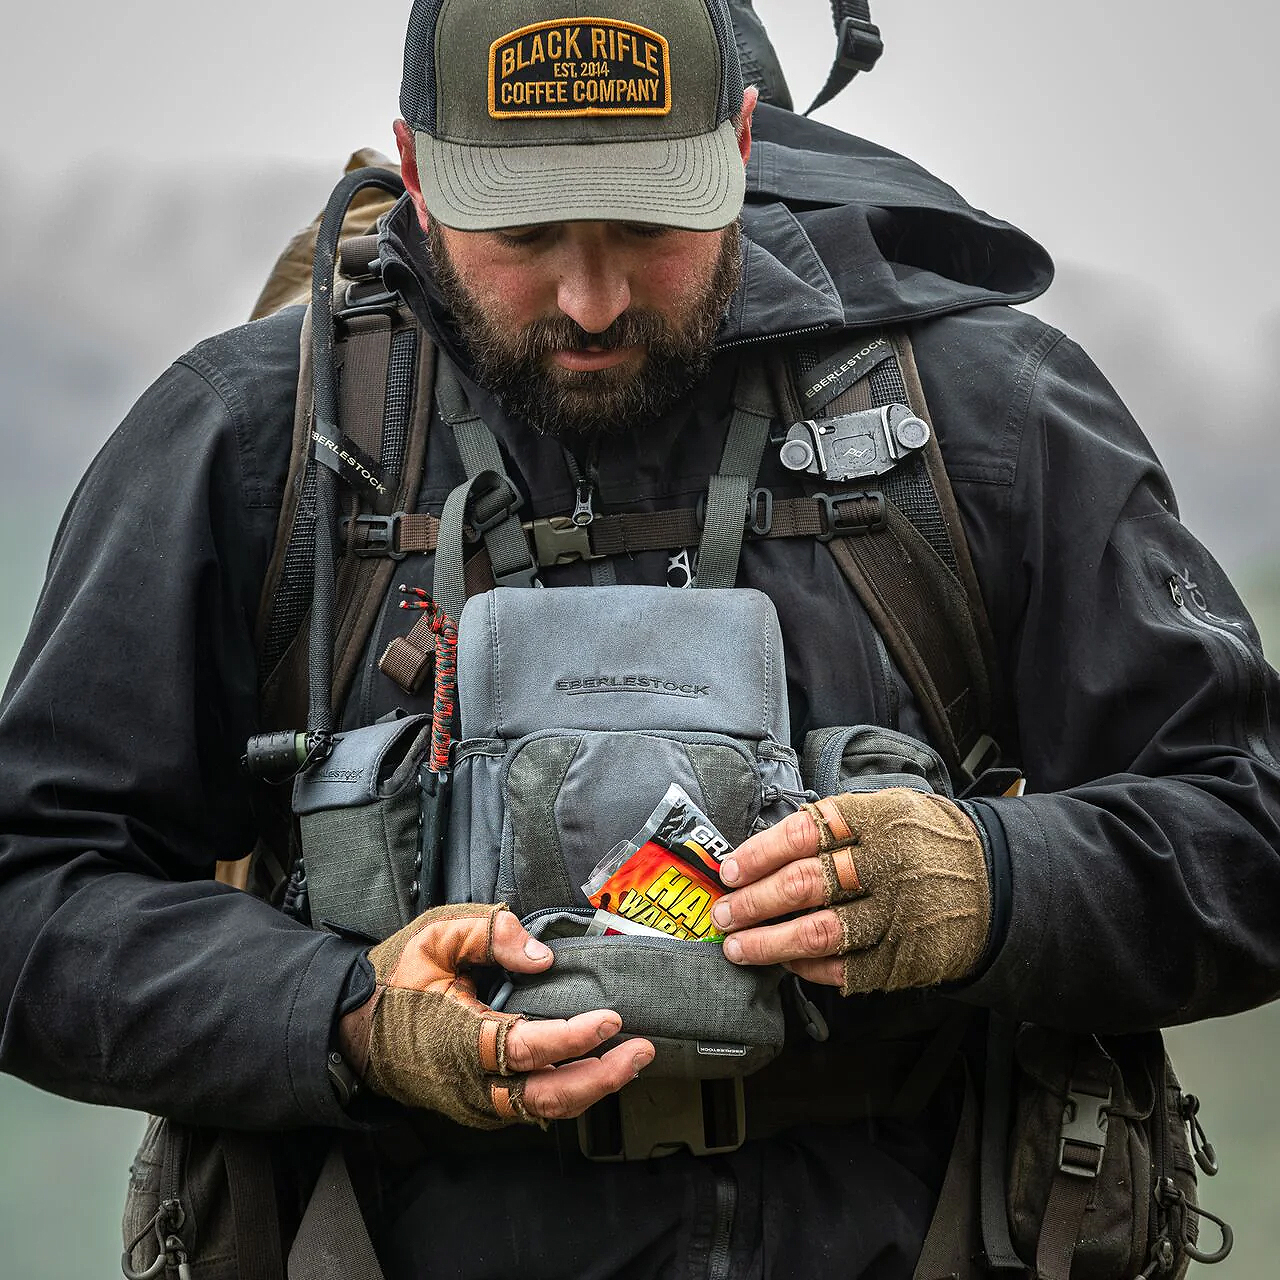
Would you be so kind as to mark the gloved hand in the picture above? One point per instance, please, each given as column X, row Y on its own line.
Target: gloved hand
column 424, row 1039
column 899, row 879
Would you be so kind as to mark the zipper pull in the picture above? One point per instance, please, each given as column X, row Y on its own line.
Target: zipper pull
column 583, row 510
column 1176, row 592
column 1201, row 1147
column 814, row 1023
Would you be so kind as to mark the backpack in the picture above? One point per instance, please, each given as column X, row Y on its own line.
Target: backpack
column 1074, row 1149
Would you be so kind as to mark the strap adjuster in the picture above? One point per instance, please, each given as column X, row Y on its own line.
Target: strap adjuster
column 760, row 512
column 1084, row 1127
column 836, row 525
column 859, row 45
column 381, row 535
column 485, row 516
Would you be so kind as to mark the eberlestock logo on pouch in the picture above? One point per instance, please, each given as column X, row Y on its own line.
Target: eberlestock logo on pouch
column 633, row 684
column 579, row 67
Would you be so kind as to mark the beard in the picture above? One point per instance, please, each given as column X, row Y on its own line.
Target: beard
column 567, row 403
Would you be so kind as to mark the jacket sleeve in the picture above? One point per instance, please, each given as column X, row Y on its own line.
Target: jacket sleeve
column 1145, row 857
column 127, row 976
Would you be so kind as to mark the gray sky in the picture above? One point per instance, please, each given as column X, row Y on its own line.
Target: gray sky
column 1135, row 135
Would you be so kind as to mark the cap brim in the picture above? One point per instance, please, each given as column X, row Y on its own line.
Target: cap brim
column 697, row 183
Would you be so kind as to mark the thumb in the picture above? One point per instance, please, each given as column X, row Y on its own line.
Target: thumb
column 514, row 949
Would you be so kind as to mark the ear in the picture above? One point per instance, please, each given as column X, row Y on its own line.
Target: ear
column 750, row 96
column 409, row 170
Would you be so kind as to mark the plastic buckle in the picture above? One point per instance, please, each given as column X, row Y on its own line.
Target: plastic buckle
column 860, row 46
column 557, row 540
column 760, row 512
column 369, row 297
column 505, row 493
column 836, row 526
column 381, row 534
column 1084, row 1123
column 661, row 1116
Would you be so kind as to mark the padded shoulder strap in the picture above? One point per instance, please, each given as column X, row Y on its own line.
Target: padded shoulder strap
column 912, row 569
column 388, row 366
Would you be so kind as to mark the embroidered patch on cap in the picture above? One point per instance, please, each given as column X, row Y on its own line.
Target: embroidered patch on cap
column 579, row 67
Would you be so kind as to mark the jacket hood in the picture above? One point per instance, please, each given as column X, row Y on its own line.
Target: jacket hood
column 839, row 233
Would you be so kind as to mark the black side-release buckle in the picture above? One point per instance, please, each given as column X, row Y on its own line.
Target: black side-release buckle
column 379, row 535
column 836, row 525
column 860, row 46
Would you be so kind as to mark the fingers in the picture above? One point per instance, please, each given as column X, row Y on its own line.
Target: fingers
column 795, row 886
column 796, row 836
column 514, row 949
column 541, row 1043
column 815, row 934
column 827, row 972
column 561, row 1093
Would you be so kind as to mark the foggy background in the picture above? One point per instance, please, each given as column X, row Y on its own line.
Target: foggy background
column 152, row 167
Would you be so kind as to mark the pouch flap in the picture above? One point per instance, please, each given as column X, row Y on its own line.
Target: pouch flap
column 362, row 767
column 623, row 657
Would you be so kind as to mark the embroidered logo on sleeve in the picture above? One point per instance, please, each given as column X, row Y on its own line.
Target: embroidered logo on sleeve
column 579, row 67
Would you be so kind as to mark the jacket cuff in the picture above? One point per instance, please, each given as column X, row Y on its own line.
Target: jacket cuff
column 309, row 1029
column 995, row 846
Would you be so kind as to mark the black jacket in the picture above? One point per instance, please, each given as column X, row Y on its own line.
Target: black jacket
column 1145, row 861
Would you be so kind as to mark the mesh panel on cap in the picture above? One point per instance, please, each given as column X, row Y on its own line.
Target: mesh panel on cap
column 730, row 68
column 418, row 88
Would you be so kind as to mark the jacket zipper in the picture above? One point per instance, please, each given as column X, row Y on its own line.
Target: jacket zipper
column 1245, row 669
column 775, row 337
column 726, row 1197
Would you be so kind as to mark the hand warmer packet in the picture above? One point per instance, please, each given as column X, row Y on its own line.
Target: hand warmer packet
column 668, row 877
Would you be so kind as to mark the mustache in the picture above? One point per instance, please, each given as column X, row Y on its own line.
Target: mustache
column 633, row 328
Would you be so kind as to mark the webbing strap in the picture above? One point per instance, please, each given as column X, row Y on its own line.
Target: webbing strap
column 947, row 1253
column 914, row 576
column 251, row 1185
column 449, row 584
column 727, row 494
column 505, row 541
column 332, row 1238
column 1079, row 1166
column 858, row 47
column 997, row 1101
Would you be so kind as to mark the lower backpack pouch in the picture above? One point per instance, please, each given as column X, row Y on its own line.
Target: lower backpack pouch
column 706, row 1017
column 359, row 813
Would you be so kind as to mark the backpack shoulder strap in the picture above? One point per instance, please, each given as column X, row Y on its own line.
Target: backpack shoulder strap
column 905, row 553
column 387, row 373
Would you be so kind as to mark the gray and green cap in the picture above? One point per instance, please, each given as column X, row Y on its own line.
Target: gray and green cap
column 529, row 111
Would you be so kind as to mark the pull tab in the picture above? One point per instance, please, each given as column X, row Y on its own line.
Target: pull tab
column 1201, row 1147
column 583, row 510
column 815, row 1024
column 1169, row 1194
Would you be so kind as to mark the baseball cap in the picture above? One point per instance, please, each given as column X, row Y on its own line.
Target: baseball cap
column 529, row 111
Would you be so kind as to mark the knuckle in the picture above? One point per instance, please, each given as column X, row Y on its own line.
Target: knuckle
column 819, row 933
column 558, row 1104
column 800, row 834
column 798, row 883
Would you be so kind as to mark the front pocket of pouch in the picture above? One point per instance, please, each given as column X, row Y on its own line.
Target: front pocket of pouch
column 706, row 1017
column 571, row 797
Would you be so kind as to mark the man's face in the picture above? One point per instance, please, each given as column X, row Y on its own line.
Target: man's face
column 587, row 327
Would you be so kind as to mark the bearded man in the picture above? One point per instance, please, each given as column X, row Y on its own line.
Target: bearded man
column 604, row 235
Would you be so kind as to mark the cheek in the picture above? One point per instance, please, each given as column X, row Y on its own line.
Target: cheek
column 674, row 279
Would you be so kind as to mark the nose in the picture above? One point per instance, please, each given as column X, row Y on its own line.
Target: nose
column 593, row 288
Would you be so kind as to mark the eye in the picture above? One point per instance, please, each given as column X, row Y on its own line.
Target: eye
column 647, row 230
column 519, row 237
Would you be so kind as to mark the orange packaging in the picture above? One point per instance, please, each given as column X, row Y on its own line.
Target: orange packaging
column 668, row 877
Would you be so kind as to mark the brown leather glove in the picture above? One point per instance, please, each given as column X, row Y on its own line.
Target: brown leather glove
column 430, row 1042
column 906, row 874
